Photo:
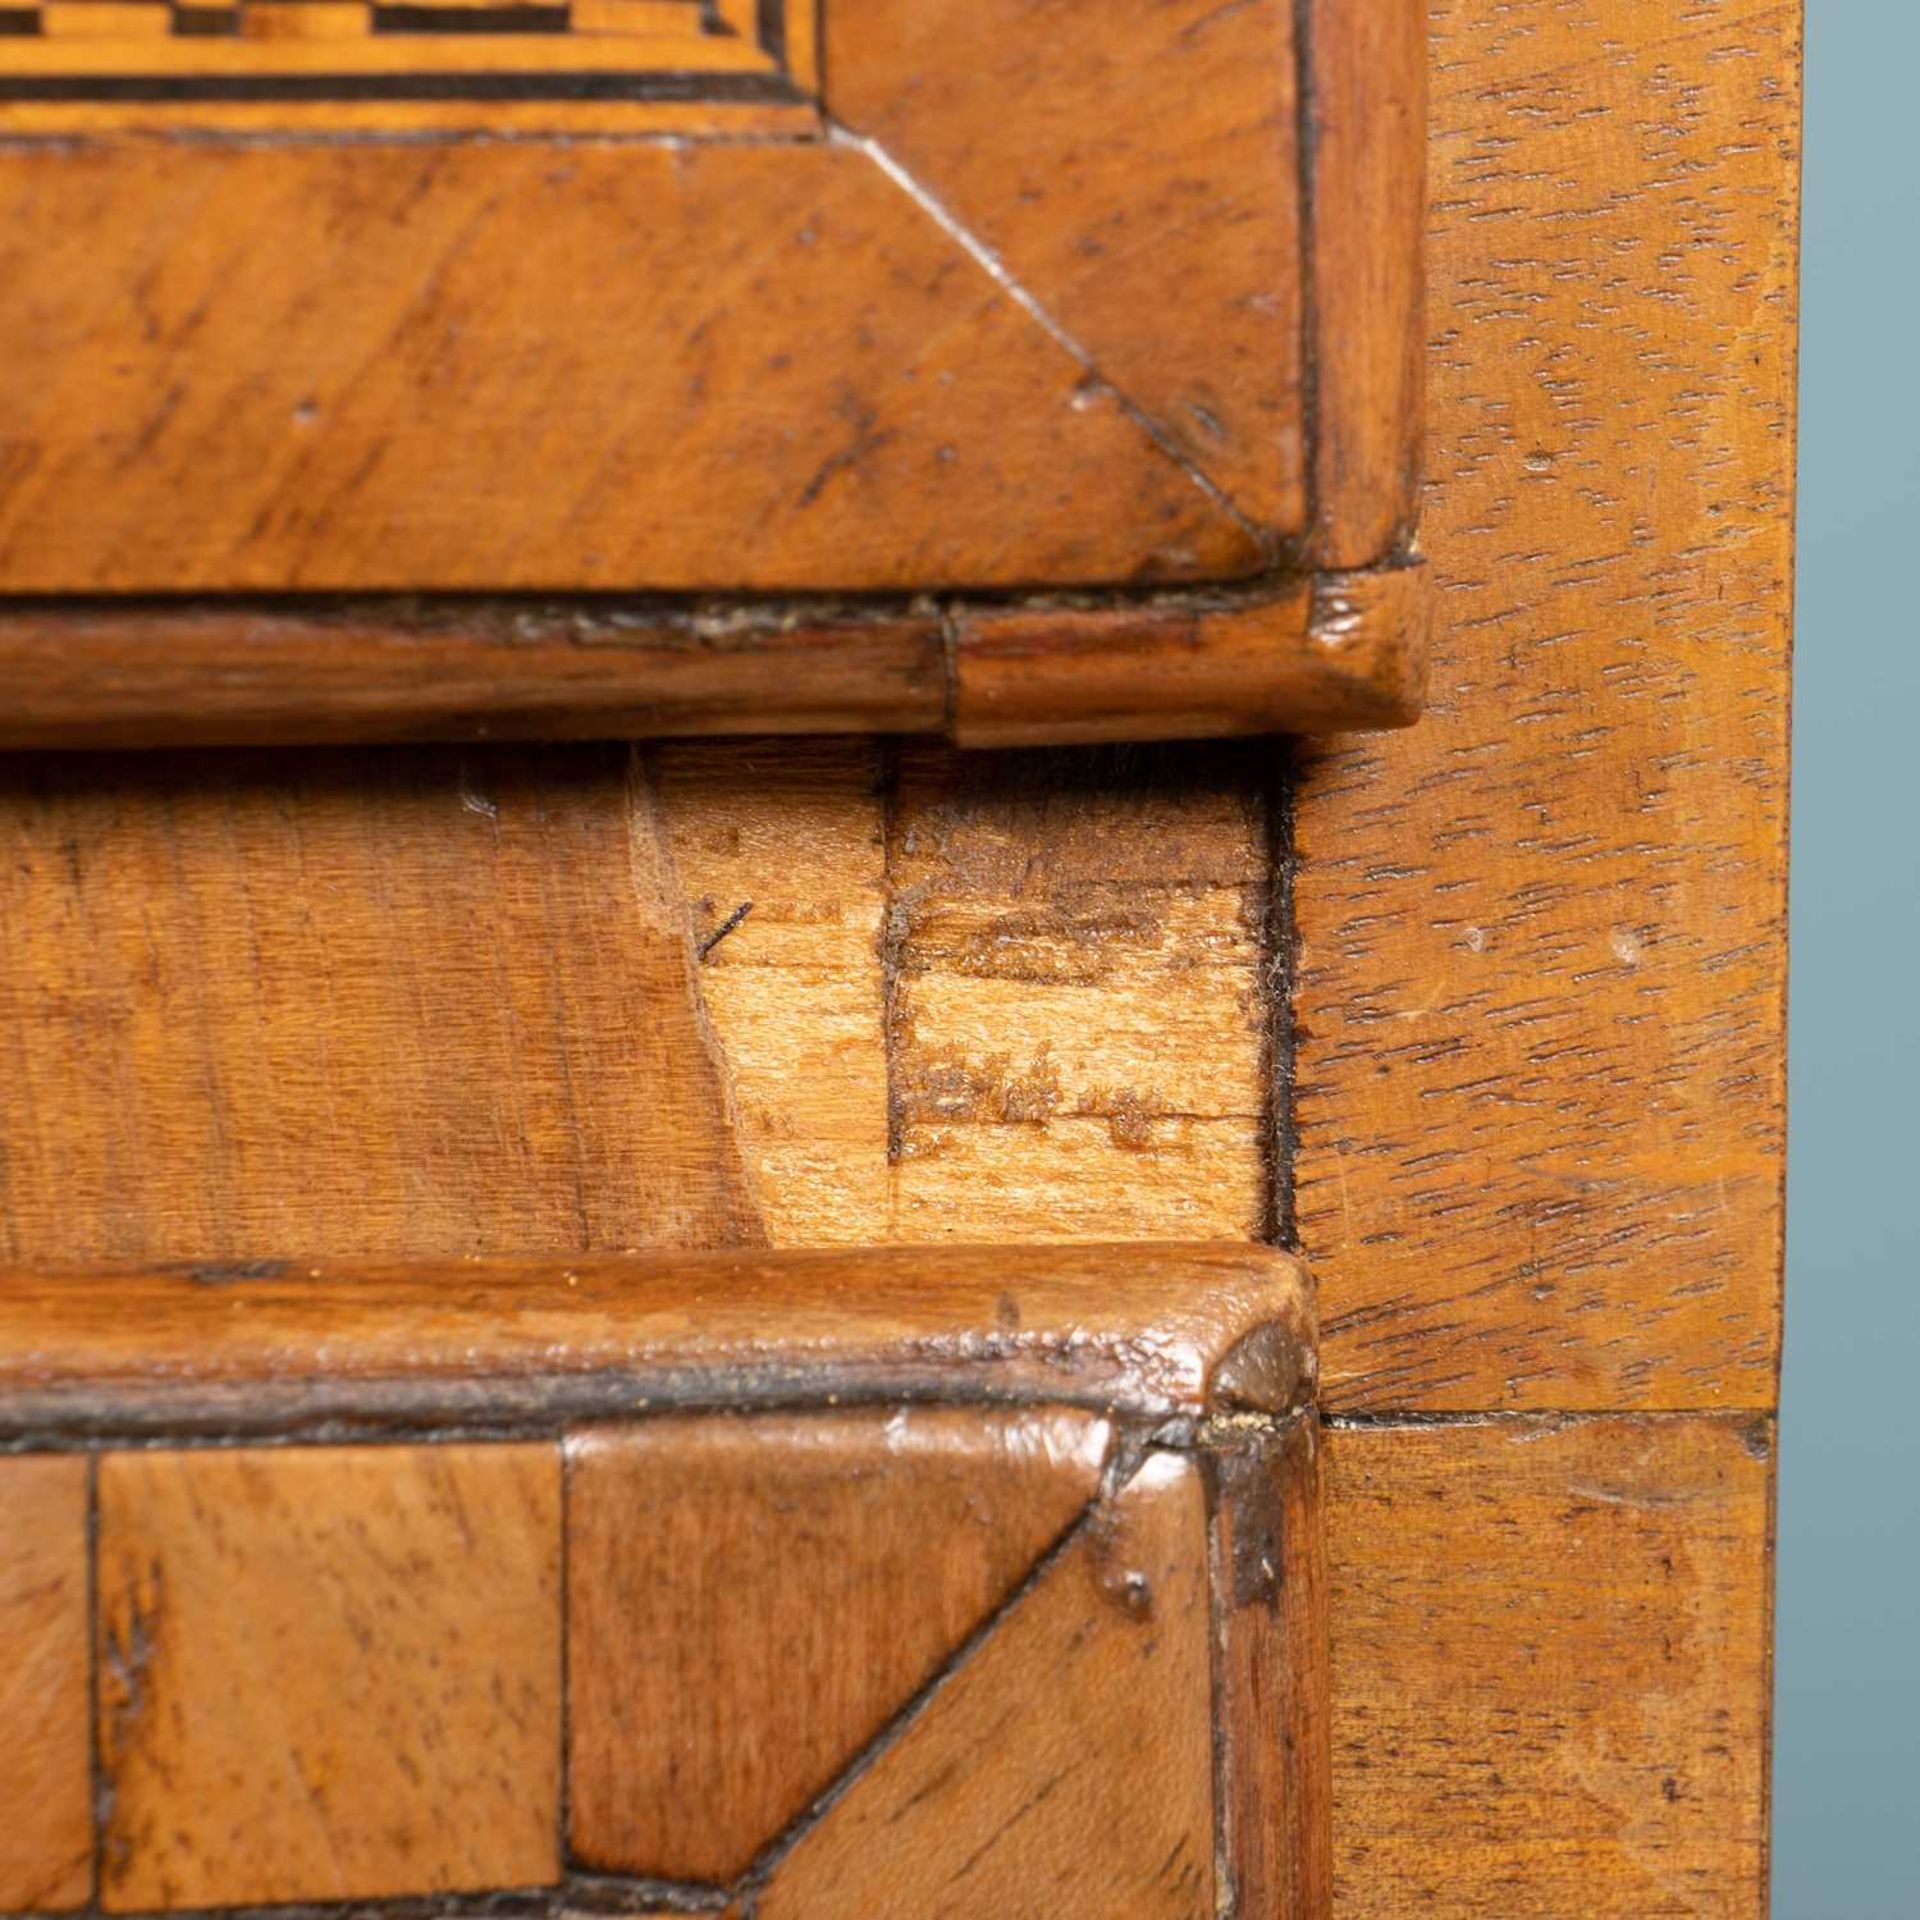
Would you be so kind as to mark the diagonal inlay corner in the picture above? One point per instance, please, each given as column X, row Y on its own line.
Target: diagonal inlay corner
column 826, row 1566
column 1066, row 1767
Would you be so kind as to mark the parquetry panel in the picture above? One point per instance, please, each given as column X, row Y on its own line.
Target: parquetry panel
column 144, row 54
column 906, row 1582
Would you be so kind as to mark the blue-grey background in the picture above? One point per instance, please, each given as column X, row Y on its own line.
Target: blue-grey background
column 1847, row 1720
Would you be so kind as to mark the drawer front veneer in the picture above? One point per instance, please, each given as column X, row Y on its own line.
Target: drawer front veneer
column 963, row 1582
column 1057, row 367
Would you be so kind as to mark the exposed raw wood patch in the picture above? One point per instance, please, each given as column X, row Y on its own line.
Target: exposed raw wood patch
column 793, row 988
column 1075, row 948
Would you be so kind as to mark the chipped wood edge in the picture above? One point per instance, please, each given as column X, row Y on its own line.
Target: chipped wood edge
column 1326, row 654
column 290, row 1349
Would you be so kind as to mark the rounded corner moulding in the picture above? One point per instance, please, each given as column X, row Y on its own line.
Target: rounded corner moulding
column 1163, row 1332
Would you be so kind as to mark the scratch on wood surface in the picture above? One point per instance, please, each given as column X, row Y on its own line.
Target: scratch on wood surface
column 725, row 927
column 1097, row 384
column 130, row 1639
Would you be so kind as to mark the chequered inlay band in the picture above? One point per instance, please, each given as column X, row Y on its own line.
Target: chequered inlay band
column 394, row 49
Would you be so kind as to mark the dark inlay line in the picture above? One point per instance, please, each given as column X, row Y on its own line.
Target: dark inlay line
column 19, row 23
column 755, row 88
column 206, row 23
column 506, row 20
column 773, row 30
column 588, row 1893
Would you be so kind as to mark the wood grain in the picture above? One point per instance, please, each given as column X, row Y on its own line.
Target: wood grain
column 1135, row 172
column 1541, row 966
column 154, row 673
column 750, row 1602
column 1076, row 1019
column 278, row 1345
column 1066, row 1766
column 1551, row 1667
column 1273, row 1744
column 780, row 849
column 1010, row 323
column 1539, row 994
column 1299, row 654
column 427, row 1004
column 1048, row 968
column 1075, row 1026
column 46, row 1790
column 478, row 365
column 1319, row 654
column 1366, row 91
column 328, row 1673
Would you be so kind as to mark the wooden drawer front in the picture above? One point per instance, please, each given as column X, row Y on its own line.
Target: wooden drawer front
column 545, row 1582
column 634, row 297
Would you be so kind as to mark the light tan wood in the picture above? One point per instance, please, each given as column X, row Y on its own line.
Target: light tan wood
column 274, row 1345
column 781, row 853
column 46, row 1789
column 1072, row 1020
column 328, row 1673
column 1076, row 1036
column 1551, row 1668
column 1541, row 975
column 1094, row 1694
column 750, row 1602
column 466, row 366
column 358, row 1003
